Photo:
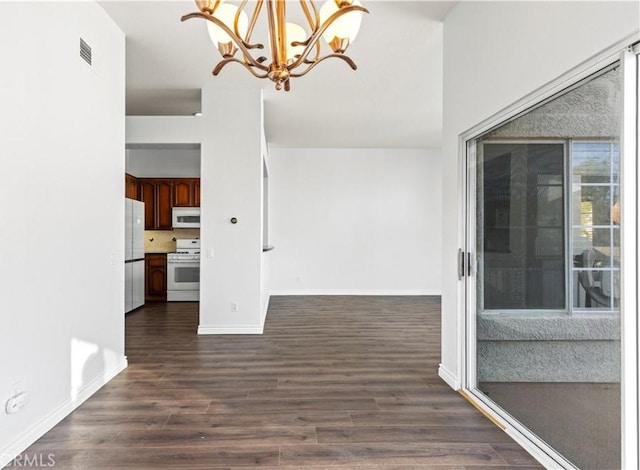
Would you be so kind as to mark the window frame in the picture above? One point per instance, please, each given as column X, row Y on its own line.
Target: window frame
column 568, row 228
column 566, row 195
column 613, row 310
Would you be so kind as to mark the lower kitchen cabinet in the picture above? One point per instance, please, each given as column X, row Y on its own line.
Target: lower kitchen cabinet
column 155, row 277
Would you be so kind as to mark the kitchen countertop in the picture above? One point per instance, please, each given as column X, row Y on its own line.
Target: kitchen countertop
column 265, row 248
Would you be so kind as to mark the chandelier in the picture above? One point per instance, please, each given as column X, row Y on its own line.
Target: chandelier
column 293, row 51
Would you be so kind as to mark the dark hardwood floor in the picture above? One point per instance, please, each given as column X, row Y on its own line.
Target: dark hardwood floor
column 334, row 383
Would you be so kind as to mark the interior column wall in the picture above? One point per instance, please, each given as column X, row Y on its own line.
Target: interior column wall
column 62, row 203
column 232, row 178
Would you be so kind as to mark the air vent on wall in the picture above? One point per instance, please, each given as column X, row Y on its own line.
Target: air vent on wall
column 85, row 51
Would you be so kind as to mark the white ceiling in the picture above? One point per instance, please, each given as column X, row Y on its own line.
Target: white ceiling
column 394, row 99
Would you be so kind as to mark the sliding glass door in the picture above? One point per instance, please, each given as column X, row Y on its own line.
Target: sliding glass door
column 544, row 237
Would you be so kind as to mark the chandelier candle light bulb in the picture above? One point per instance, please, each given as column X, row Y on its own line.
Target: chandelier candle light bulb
column 227, row 13
column 342, row 31
column 294, row 52
column 295, row 35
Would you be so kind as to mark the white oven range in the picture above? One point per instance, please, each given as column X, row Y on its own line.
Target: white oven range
column 183, row 271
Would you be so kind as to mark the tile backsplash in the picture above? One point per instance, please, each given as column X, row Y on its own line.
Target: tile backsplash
column 162, row 241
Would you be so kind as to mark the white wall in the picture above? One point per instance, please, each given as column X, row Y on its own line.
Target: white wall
column 163, row 129
column 231, row 173
column 355, row 221
column 163, row 163
column 495, row 53
column 62, row 161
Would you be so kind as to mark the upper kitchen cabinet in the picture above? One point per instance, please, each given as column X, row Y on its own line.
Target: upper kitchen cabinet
column 157, row 195
column 131, row 187
column 197, row 192
column 186, row 192
column 160, row 195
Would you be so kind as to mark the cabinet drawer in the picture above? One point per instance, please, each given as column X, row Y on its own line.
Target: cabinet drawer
column 156, row 260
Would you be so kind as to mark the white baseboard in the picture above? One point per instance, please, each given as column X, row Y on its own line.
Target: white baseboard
column 449, row 377
column 237, row 329
column 58, row 414
column 231, row 330
column 408, row 292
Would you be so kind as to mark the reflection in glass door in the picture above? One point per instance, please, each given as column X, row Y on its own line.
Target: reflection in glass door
column 547, row 285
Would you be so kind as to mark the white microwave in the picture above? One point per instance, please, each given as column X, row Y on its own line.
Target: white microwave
column 185, row 217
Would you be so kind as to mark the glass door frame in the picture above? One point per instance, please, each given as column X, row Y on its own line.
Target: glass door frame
column 630, row 326
column 627, row 55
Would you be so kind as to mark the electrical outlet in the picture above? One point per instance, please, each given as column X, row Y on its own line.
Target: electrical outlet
column 15, row 389
column 16, row 403
column 298, row 278
column 235, row 306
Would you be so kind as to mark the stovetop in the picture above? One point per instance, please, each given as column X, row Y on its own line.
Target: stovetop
column 187, row 249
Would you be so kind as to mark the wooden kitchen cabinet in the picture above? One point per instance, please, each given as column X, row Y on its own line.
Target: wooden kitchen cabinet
column 160, row 195
column 163, row 204
column 155, row 265
column 186, row 192
column 196, row 188
column 147, row 191
column 157, row 195
column 131, row 187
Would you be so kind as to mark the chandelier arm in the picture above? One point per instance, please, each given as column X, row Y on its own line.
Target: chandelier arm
column 313, row 24
column 236, row 19
column 219, row 66
column 232, row 35
column 316, row 14
column 347, row 59
column 307, row 13
column 254, row 18
column 317, row 56
column 252, row 24
column 316, row 36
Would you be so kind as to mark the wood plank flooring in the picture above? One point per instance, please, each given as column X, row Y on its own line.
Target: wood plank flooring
column 334, row 383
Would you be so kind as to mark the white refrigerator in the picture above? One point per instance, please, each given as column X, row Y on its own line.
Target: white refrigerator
column 133, row 255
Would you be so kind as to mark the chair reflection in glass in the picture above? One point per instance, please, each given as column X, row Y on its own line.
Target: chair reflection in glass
column 598, row 285
column 595, row 281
